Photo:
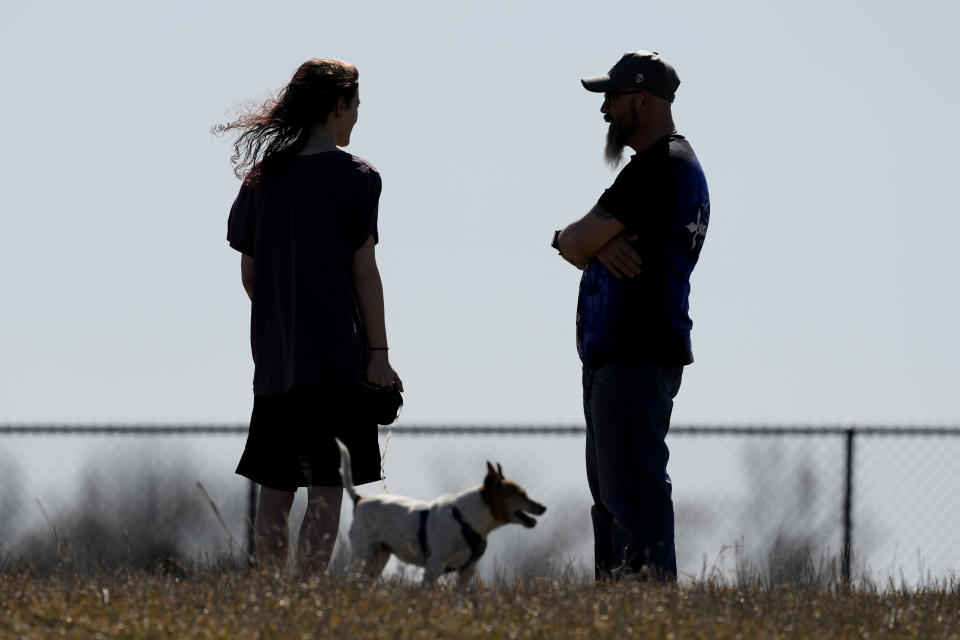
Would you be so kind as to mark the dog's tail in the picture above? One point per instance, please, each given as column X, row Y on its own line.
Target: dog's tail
column 346, row 472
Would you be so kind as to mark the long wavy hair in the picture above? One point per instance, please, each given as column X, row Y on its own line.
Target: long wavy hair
column 280, row 126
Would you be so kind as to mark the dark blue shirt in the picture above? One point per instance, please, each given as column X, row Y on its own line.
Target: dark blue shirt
column 660, row 196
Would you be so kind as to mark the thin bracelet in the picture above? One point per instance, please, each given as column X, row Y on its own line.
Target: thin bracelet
column 378, row 348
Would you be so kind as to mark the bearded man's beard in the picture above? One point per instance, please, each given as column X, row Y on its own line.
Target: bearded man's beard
column 617, row 136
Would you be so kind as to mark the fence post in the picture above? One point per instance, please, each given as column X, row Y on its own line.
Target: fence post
column 848, row 509
column 251, row 519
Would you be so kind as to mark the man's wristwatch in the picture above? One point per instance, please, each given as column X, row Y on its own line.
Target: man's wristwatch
column 556, row 240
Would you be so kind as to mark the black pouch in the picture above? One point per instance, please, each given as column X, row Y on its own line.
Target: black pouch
column 382, row 405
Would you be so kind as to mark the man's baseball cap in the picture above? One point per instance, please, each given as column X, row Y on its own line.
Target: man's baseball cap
column 638, row 71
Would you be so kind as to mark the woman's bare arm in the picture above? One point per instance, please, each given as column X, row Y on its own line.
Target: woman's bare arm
column 369, row 291
column 246, row 274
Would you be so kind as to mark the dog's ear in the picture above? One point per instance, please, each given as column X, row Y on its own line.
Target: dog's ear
column 500, row 470
column 492, row 476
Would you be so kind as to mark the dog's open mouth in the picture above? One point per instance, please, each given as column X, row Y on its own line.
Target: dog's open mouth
column 525, row 520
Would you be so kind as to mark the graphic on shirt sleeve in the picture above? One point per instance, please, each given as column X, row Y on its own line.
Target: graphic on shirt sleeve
column 699, row 228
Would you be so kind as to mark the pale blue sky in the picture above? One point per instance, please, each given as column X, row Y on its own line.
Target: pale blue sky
column 825, row 291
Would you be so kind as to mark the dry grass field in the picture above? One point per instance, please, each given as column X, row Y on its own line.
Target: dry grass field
column 240, row 604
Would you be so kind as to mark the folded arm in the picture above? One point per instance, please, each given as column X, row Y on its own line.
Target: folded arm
column 599, row 235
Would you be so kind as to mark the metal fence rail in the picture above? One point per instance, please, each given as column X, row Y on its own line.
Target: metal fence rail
column 468, row 429
column 846, row 436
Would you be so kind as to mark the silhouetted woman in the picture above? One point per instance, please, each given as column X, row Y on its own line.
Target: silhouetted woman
column 305, row 221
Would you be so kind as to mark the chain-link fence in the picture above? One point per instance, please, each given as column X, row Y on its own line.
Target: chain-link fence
column 861, row 501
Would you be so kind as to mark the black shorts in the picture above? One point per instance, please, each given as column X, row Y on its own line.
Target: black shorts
column 291, row 439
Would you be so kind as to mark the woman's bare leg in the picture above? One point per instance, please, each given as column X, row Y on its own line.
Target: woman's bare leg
column 272, row 530
column 318, row 533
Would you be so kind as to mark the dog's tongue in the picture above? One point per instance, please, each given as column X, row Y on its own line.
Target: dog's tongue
column 525, row 519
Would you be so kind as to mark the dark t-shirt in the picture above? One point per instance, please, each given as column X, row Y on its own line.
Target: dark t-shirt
column 661, row 196
column 302, row 223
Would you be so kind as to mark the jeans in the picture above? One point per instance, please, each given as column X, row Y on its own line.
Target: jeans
column 628, row 409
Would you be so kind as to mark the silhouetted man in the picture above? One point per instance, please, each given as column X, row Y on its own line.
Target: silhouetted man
column 637, row 248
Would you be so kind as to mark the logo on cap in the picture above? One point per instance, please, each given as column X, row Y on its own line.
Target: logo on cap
column 639, row 78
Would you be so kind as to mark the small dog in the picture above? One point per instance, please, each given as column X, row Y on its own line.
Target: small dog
column 447, row 534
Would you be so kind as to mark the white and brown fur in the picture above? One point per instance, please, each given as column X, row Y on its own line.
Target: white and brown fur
column 385, row 524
